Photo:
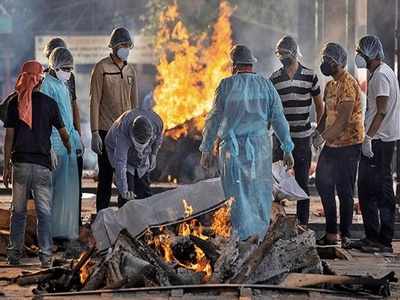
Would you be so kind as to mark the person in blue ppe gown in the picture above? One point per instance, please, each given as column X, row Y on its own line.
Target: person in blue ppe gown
column 245, row 105
column 65, row 192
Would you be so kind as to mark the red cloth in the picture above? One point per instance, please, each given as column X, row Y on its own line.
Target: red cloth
column 30, row 76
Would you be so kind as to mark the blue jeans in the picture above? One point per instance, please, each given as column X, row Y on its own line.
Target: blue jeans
column 37, row 178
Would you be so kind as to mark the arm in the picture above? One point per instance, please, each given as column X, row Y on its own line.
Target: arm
column 96, row 91
column 159, row 139
column 279, row 122
column 76, row 116
column 134, row 92
column 316, row 94
column 213, row 121
column 381, row 104
column 65, row 138
column 8, row 144
column 319, row 107
column 121, row 161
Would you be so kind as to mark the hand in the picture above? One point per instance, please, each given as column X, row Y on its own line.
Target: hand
column 206, row 160
column 153, row 161
column 288, row 160
column 54, row 159
column 97, row 143
column 128, row 195
column 366, row 147
column 7, row 175
column 317, row 140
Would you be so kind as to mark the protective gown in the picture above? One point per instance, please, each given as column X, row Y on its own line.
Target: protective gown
column 245, row 104
column 65, row 200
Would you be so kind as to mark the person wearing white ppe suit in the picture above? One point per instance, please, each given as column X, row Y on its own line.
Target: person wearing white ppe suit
column 382, row 125
column 244, row 106
column 65, row 193
column 113, row 91
column 132, row 145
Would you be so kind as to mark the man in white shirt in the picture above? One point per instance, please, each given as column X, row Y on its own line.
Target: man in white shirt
column 382, row 125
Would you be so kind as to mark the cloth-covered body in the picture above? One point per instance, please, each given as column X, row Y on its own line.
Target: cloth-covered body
column 65, row 195
column 244, row 105
column 113, row 90
column 121, row 151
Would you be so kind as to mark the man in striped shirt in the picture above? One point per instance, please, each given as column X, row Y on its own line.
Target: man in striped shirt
column 298, row 87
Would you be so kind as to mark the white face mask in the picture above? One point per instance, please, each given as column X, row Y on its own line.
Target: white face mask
column 140, row 147
column 123, row 53
column 360, row 61
column 63, row 76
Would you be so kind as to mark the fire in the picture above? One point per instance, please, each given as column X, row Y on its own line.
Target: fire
column 84, row 271
column 189, row 70
column 163, row 241
column 221, row 221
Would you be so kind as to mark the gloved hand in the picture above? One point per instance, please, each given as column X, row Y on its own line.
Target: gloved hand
column 54, row 160
column 97, row 143
column 317, row 140
column 206, row 160
column 288, row 160
column 128, row 195
column 153, row 160
column 366, row 147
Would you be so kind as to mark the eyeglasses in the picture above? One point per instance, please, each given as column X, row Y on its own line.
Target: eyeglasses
column 281, row 53
column 67, row 69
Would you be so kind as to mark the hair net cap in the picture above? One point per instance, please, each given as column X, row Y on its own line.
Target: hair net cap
column 371, row 46
column 53, row 44
column 240, row 54
column 335, row 52
column 61, row 57
column 142, row 129
column 120, row 36
column 288, row 43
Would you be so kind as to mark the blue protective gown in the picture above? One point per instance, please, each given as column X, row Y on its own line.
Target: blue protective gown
column 65, row 194
column 244, row 105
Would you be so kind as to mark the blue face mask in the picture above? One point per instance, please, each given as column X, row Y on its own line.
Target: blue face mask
column 123, row 53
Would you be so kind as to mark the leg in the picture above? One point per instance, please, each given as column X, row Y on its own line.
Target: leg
column 346, row 172
column 302, row 163
column 80, row 170
column 41, row 185
column 141, row 186
column 386, row 203
column 21, row 183
column 367, row 197
column 326, row 187
column 105, row 177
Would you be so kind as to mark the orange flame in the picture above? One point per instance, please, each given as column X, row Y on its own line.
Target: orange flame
column 221, row 221
column 189, row 70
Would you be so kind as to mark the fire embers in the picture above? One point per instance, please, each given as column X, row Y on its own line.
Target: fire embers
column 190, row 245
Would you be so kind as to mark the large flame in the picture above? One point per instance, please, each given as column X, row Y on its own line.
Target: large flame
column 190, row 69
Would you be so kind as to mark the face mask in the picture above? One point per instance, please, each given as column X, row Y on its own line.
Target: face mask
column 286, row 61
column 140, row 147
column 123, row 53
column 360, row 61
column 62, row 75
column 327, row 69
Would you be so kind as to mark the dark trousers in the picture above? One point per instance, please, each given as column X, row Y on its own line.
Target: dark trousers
column 337, row 169
column 80, row 170
column 302, row 163
column 376, row 194
column 140, row 186
column 105, row 177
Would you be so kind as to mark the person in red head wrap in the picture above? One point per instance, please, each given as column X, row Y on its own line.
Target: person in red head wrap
column 29, row 78
column 31, row 116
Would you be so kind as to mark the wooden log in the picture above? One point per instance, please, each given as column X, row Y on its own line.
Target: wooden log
column 41, row 276
column 208, row 248
column 283, row 227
